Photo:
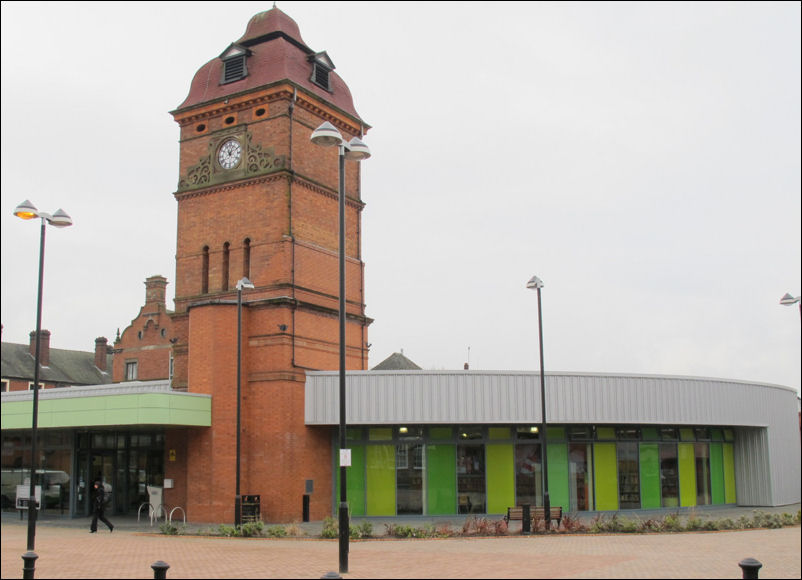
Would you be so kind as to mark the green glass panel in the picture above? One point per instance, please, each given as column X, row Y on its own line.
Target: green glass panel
column 498, row 433
column 728, row 462
column 687, row 435
column 355, row 481
column 649, row 476
column 556, row 433
column 716, row 474
column 650, row 434
column 558, row 475
column 717, row 435
column 380, row 476
column 605, row 466
column 687, row 474
column 441, row 479
column 381, row 434
column 605, row 433
column 353, row 434
column 728, row 435
column 441, row 433
column 500, row 477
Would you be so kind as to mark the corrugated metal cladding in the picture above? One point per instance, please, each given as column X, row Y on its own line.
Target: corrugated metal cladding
column 765, row 416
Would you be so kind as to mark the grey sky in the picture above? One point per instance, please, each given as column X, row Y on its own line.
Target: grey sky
column 643, row 159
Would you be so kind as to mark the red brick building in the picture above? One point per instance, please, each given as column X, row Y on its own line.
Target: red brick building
column 257, row 199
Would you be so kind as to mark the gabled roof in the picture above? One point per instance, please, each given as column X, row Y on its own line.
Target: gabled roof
column 396, row 362
column 66, row 367
column 277, row 53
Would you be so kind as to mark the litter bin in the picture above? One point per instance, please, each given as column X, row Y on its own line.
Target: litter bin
column 251, row 508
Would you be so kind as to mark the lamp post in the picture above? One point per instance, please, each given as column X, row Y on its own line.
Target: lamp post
column 243, row 283
column 326, row 135
column 27, row 211
column 536, row 283
column 789, row 300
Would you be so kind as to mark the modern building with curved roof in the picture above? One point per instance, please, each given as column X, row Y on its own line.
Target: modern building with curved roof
column 467, row 441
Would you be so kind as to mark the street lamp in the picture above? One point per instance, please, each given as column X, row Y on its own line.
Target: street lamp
column 327, row 135
column 536, row 283
column 27, row 211
column 243, row 283
column 789, row 300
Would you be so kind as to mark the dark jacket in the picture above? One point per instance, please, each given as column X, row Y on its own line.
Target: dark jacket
column 100, row 496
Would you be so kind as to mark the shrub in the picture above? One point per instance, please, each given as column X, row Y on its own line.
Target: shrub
column 171, row 530
column 228, row 531
column 726, row 524
column 627, row 525
column 331, row 529
column 573, row 524
column 672, row 523
column 251, row 529
column 276, row 532
column 788, row 519
column 694, row 523
column 295, row 530
column 649, row 525
column 364, row 530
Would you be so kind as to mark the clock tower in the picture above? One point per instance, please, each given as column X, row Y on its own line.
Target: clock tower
column 257, row 200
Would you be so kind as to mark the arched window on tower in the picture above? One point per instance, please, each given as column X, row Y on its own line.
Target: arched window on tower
column 225, row 266
column 246, row 258
column 205, row 271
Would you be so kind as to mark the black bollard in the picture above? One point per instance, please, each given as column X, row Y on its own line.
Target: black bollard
column 526, row 520
column 750, row 566
column 330, row 575
column 160, row 570
column 30, row 564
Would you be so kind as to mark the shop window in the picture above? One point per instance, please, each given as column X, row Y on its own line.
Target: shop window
column 441, row 433
column 687, row 435
column 702, row 457
column 532, row 432
column 729, row 435
column 627, row 433
column 628, row 475
column 528, row 474
column 354, row 434
column 702, row 433
column 470, row 433
column 471, row 495
column 669, row 475
column 580, row 476
column 668, row 434
column 409, row 478
column 405, row 432
column 581, row 433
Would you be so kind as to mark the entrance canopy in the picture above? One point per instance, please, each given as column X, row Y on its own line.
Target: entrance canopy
column 136, row 403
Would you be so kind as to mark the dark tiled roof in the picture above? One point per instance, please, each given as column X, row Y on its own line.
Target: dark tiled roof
column 66, row 367
column 277, row 53
column 396, row 362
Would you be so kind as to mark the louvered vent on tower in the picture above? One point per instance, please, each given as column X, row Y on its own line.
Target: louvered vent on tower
column 234, row 64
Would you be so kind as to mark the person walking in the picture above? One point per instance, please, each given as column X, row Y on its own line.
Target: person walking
column 99, row 507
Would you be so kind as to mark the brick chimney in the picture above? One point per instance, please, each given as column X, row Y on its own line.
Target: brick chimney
column 101, row 350
column 44, row 347
column 155, row 289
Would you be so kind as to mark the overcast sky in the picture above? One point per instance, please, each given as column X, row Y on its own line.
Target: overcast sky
column 642, row 159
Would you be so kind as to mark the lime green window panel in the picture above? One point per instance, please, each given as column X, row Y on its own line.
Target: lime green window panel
column 716, row 474
column 605, row 432
column 497, row 433
column 687, row 474
column 605, row 466
column 728, row 461
column 558, row 474
column 380, row 480
column 728, row 435
column 649, row 476
column 380, row 434
column 354, row 481
column 441, row 479
column 500, row 477
column 556, row 433
column 686, row 435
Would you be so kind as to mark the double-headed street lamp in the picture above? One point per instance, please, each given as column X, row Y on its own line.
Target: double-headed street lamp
column 27, row 211
column 789, row 300
column 243, row 283
column 536, row 283
column 327, row 135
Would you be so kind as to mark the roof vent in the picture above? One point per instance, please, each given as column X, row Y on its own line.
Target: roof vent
column 234, row 65
column 321, row 70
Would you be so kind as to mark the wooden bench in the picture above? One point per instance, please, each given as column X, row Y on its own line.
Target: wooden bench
column 517, row 514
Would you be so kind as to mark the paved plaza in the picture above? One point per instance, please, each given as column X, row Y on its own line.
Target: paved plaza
column 67, row 550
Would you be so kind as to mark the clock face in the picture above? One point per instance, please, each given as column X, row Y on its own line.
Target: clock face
column 229, row 154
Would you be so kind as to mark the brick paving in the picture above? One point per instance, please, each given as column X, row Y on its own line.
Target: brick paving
column 67, row 550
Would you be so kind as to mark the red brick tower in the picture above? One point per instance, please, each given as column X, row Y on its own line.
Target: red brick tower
column 257, row 199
